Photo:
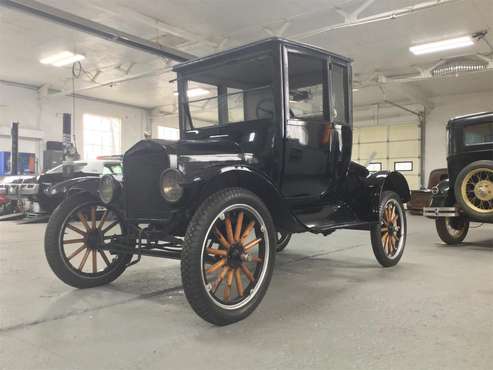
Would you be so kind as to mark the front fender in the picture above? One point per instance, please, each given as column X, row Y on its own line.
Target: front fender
column 66, row 188
column 253, row 180
column 443, row 195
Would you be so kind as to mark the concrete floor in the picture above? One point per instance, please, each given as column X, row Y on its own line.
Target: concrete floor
column 329, row 306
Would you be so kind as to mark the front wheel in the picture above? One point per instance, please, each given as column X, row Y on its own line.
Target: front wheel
column 452, row 230
column 228, row 256
column 75, row 233
column 388, row 237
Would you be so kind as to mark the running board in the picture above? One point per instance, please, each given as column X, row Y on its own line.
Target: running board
column 330, row 228
column 439, row 212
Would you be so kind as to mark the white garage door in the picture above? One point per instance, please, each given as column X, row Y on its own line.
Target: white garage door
column 397, row 147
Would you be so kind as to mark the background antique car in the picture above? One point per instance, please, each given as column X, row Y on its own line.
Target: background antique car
column 35, row 194
column 467, row 196
column 266, row 139
column 422, row 198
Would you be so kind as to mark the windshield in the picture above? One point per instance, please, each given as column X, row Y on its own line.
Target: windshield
column 59, row 169
column 230, row 93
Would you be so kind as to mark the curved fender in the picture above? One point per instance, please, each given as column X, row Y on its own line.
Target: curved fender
column 443, row 195
column 87, row 184
column 256, row 182
column 380, row 181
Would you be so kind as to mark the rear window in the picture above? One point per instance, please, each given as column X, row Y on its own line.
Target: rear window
column 478, row 134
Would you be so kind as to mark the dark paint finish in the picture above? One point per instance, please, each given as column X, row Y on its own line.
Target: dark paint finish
column 300, row 169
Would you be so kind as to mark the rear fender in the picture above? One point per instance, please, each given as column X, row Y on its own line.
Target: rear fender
column 257, row 183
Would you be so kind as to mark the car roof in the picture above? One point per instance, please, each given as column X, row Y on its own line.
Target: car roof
column 480, row 117
column 257, row 45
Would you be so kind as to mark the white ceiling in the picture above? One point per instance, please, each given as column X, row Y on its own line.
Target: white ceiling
column 202, row 27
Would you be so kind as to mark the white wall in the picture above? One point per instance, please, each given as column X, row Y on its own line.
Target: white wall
column 40, row 120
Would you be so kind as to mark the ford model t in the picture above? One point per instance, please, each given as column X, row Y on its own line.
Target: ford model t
column 265, row 149
column 467, row 196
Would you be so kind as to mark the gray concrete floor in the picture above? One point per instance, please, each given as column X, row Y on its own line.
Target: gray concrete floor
column 329, row 306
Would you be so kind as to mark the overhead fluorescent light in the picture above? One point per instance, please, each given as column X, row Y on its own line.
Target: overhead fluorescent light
column 433, row 47
column 195, row 93
column 355, row 90
column 62, row 59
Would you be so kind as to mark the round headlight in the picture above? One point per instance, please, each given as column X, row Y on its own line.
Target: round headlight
column 108, row 189
column 171, row 185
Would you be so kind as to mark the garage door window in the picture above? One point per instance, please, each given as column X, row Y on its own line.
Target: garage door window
column 101, row 135
column 168, row 133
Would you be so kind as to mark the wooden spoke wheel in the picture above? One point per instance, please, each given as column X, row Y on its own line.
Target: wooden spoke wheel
column 389, row 236
column 474, row 190
column 228, row 256
column 76, row 234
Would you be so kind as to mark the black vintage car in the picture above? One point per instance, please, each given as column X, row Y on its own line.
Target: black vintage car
column 266, row 137
column 467, row 196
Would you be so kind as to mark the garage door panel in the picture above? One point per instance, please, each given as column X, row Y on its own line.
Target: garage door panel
column 404, row 132
column 366, row 150
column 415, row 162
column 404, row 148
column 373, row 134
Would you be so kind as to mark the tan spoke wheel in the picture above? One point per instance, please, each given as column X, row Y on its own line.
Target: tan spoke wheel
column 391, row 229
column 85, row 231
column 234, row 256
column 477, row 190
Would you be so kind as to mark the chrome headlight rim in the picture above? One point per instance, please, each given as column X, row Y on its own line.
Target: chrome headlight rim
column 108, row 189
column 176, row 180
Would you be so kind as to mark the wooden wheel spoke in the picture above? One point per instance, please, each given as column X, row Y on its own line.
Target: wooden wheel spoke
column 103, row 219
column 229, row 230
column 247, row 272
column 252, row 244
column 216, row 266
column 220, row 237
column 83, row 219
column 384, row 229
column 257, row 259
column 217, row 252
column 227, row 287
column 84, row 259
column 103, row 256
column 94, row 261
column 219, row 280
column 247, row 231
column 93, row 217
column 239, row 284
column 74, row 241
column 76, row 229
column 76, row 252
column 109, row 227
column 239, row 224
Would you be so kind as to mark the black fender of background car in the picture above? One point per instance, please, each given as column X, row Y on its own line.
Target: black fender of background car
column 87, row 184
column 443, row 195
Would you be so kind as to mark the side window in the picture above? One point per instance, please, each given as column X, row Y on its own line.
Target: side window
column 339, row 93
column 306, row 86
column 478, row 134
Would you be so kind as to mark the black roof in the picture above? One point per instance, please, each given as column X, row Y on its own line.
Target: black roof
column 471, row 119
column 257, row 45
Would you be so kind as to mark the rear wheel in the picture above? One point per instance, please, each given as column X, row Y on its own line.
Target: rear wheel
column 452, row 230
column 228, row 256
column 474, row 190
column 283, row 239
column 76, row 231
column 388, row 237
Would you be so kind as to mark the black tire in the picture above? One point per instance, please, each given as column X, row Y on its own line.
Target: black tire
column 196, row 284
column 60, row 262
column 453, row 230
column 283, row 239
column 385, row 234
column 468, row 198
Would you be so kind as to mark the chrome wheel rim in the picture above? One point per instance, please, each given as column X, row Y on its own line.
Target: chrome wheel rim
column 235, row 256
column 392, row 228
column 82, row 234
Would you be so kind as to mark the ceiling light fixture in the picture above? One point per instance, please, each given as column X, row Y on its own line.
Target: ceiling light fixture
column 434, row 47
column 62, row 59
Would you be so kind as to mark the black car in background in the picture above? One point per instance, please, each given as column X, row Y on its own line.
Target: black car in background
column 37, row 194
column 266, row 140
column 467, row 196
